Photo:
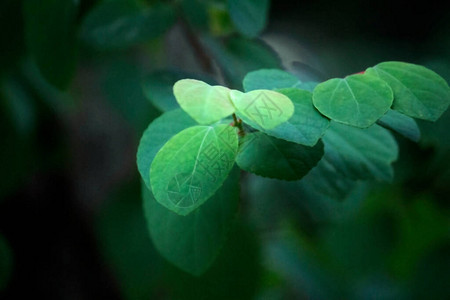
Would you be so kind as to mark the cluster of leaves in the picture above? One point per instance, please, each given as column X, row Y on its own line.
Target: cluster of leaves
column 281, row 130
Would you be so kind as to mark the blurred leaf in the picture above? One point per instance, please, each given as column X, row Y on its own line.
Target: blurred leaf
column 158, row 87
column 234, row 275
column 122, row 87
column 124, row 242
column 120, row 24
column 220, row 23
column 274, row 158
column 269, row 79
column 192, row 166
column 156, row 135
column 418, row 91
column 50, row 31
column 192, row 242
column 264, row 109
column 249, row 16
column 237, row 56
column 306, row 126
column 402, row 124
column 357, row 100
column 360, row 153
column 196, row 13
column 6, row 263
column 204, row 103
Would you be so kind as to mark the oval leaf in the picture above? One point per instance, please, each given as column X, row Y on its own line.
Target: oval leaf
column 192, row 165
column 270, row 157
column 156, row 135
column 249, row 16
column 204, row 103
column 192, row 242
column 269, row 79
column 418, row 91
column 306, row 126
column 120, row 24
column 262, row 108
column 360, row 153
column 357, row 100
column 402, row 124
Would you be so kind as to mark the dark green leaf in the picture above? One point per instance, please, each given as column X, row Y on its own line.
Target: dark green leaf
column 270, row 157
column 158, row 87
column 5, row 263
column 360, row 153
column 51, row 38
column 124, row 243
column 249, row 16
column 357, row 100
column 192, row 242
column 238, row 56
column 418, row 91
column 269, row 79
column 156, row 135
column 306, row 126
column 121, row 24
column 401, row 123
column 192, row 166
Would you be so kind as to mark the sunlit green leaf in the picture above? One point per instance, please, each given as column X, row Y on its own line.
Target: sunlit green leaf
column 262, row 108
column 401, row 123
column 204, row 103
column 360, row 153
column 156, row 135
column 306, row 126
column 192, row 242
column 158, row 87
column 270, row 157
column 418, row 91
column 249, row 16
column 50, row 32
column 192, row 166
column 357, row 100
column 121, row 24
column 269, row 79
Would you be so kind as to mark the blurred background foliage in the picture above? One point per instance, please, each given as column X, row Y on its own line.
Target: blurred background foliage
column 81, row 79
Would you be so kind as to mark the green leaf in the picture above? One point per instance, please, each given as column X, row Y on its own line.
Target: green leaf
column 418, row 91
column 50, row 33
column 204, row 103
column 361, row 153
column 120, row 24
column 270, row 157
column 306, row 126
column 357, row 100
column 249, row 16
column 402, row 124
column 123, row 241
column 262, row 108
column 192, row 166
column 5, row 263
column 158, row 87
column 192, row 242
column 156, row 135
column 237, row 56
column 269, row 79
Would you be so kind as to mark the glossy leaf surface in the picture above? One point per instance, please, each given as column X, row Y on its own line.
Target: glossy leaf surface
column 192, row 166
column 262, row 108
column 192, row 242
column 204, row 103
column 419, row 92
column 357, row 100
column 270, row 157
